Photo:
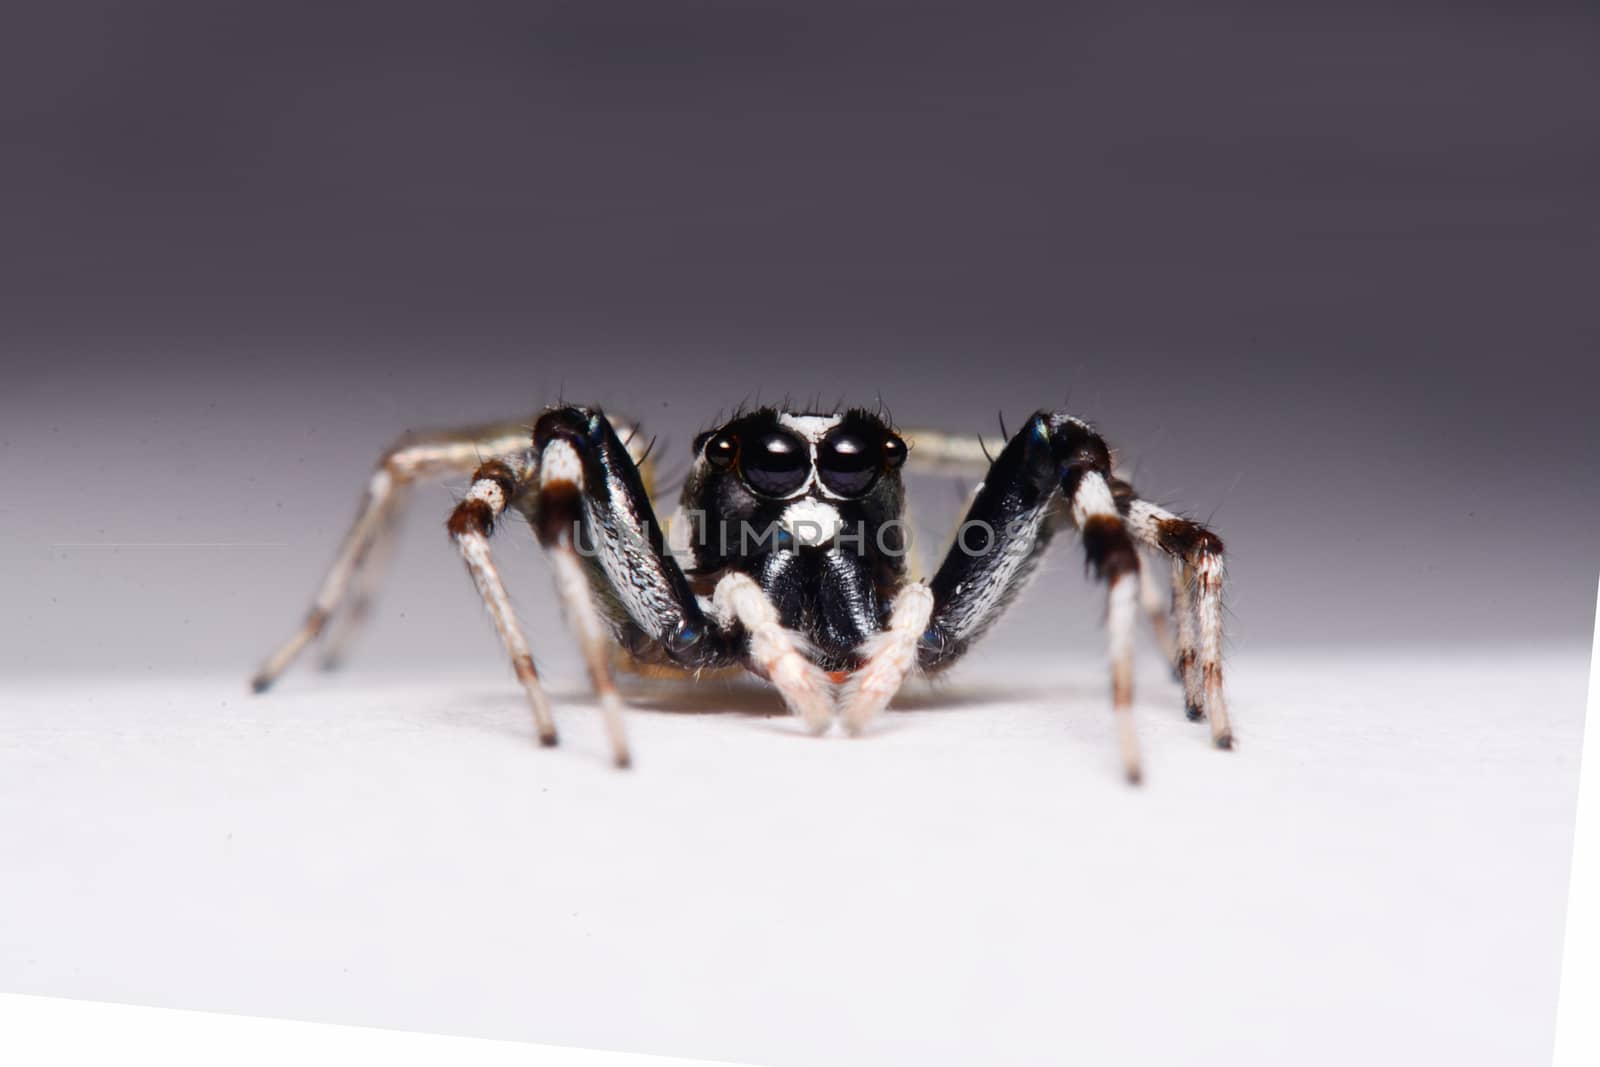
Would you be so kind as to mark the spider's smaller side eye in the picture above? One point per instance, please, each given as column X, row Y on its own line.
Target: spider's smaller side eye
column 722, row 450
column 894, row 452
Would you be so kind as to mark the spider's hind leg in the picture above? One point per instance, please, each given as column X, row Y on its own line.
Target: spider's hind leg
column 1157, row 599
column 366, row 576
column 409, row 461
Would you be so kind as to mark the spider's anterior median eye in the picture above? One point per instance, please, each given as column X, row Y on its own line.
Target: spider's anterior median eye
column 722, row 450
column 776, row 463
column 849, row 462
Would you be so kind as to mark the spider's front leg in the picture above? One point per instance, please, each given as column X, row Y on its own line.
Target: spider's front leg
column 614, row 575
column 1054, row 471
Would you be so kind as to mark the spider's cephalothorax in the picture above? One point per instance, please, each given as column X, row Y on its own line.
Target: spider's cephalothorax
column 806, row 505
column 788, row 554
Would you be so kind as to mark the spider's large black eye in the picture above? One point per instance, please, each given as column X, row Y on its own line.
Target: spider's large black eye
column 776, row 463
column 848, row 462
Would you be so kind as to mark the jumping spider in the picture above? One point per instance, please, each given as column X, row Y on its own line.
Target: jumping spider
column 788, row 556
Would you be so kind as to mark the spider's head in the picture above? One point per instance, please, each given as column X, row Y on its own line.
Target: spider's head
column 802, row 479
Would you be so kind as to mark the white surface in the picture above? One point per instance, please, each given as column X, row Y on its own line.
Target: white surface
column 1577, row 1024
column 56, row 1032
column 1377, row 875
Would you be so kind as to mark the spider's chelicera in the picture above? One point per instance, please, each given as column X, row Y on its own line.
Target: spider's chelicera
column 788, row 555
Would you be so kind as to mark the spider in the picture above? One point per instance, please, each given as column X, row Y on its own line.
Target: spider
column 788, row 558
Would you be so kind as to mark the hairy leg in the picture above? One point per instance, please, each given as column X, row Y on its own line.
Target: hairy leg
column 1055, row 471
column 615, row 578
column 887, row 658
column 1112, row 557
column 561, row 483
column 1156, row 598
column 407, row 462
column 953, row 455
column 351, row 581
column 1197, row 556
column 775, row 653
column 366, row 576
column 1186, row 665
column 495, row 487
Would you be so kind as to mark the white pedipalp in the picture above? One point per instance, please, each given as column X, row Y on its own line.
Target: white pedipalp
column 778, row 654
column 887, row 657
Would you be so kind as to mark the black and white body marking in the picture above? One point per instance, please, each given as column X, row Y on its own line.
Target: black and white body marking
column 789, row 555
column 803, row 504
column 642, row 592
column 997, row 545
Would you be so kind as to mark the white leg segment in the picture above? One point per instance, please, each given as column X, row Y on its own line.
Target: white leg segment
column 888, row 658
column 364, row 581
column 1122, row 612
column 954, row 455
column 1093, row 502
column 779, row 654
column 572, row 585
column 1208, row 587
column 1197, row 600
column 369, row 521
column 1155, row 598
column 474, row 548
column 1188, row 667
column 411, row 460
column 561, row 469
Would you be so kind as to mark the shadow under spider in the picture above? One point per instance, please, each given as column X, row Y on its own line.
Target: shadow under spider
column 752, row 698
column 755, row 699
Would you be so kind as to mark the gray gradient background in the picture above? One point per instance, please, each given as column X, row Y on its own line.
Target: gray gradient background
column 1325, row 274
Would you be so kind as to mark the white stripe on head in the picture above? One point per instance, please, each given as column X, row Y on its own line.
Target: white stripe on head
column 811, row 427
column 811, row 522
